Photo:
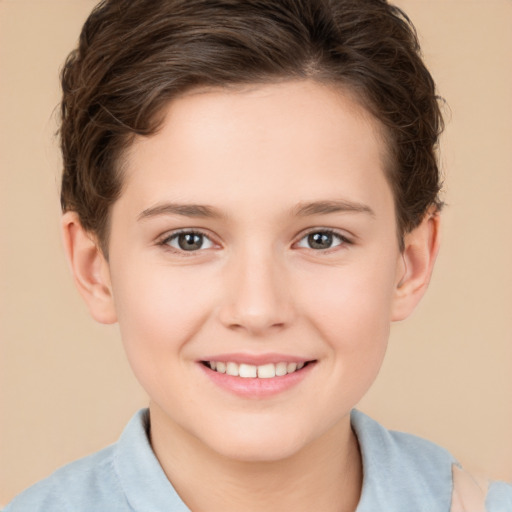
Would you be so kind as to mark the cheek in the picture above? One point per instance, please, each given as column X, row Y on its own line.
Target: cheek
column 159, row 308
column 351, row 314
column 356, row 291
column 351, row 307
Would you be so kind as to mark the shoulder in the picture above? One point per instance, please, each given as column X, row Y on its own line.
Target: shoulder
column 75, row 486
column 406, row 472
column 499, row 497
column 402, row 472
column 124, row 477
column 94, row 482
column 475, row 494
column 395, row 453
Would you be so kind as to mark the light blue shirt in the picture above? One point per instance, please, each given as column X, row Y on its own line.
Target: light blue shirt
column 402, row 473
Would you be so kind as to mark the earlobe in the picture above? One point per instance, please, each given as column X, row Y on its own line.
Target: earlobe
column 90, row 269
column 415, row 269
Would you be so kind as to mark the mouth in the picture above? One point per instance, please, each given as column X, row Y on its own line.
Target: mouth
column 262, row 371
column 257, row 376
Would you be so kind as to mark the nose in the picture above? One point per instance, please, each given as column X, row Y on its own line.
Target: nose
column 257, row 296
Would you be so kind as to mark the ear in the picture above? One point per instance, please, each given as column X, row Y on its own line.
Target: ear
column 416, row 265
column 90, row 269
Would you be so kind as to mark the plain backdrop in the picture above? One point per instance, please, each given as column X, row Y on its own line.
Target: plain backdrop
column 65, row 387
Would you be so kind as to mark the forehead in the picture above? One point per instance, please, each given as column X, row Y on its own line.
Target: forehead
column 293, row 137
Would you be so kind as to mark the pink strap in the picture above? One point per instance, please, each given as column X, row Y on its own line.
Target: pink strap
column 468, row 492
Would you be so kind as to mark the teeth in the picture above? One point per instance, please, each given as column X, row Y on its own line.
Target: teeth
column 281, row 369
column 247, row 370
column 267, row 371
column 264, row 371
column 291, row 367
column 232, row 369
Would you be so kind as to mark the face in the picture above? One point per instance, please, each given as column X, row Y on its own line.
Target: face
column 256, row 236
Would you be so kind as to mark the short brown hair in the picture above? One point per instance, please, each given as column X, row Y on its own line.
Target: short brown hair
column 134, row 56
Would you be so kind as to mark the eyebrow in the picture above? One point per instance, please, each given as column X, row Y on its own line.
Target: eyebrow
column 326, row 207
column 302, row 210
column 185, row 210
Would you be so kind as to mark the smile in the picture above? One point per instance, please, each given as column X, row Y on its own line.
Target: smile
column 256, row 377
column 264, row 371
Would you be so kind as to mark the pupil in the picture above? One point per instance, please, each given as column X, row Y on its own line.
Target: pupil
column 190, row 241
column 320, row 240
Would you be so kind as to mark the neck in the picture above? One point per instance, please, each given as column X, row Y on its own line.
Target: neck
column 325, row 475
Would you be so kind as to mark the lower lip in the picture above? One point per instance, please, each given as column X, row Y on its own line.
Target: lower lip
column 255, row 387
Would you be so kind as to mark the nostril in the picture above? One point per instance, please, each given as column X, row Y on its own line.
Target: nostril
column 256, row 324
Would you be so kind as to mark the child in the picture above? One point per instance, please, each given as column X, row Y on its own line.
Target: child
column 251, row 190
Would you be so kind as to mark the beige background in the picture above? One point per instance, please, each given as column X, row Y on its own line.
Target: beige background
column 65, row 387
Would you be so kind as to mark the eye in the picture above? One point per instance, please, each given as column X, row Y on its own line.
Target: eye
column 188, row 241
column 322, row 240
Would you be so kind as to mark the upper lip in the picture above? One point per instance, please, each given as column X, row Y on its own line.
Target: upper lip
column 256, row 359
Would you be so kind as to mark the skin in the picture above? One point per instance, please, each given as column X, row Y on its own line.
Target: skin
column 272, row 164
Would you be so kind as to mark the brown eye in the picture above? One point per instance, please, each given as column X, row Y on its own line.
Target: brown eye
column 189, row 241
column 322, row 240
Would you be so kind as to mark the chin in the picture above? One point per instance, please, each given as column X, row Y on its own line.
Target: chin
column 259, row 441
column 259, row 449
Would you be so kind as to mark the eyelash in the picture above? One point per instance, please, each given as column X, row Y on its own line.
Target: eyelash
column 343, row 240
column 165, row 242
